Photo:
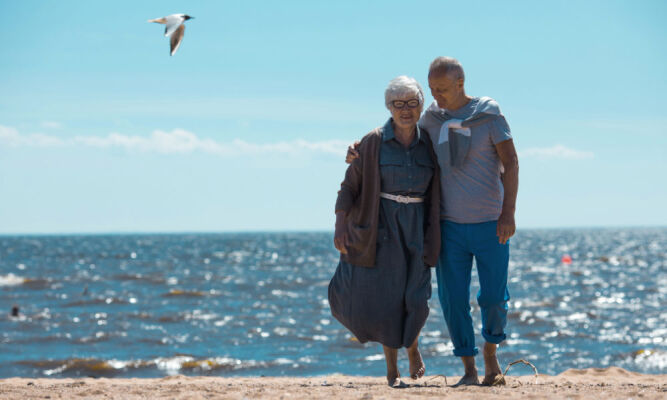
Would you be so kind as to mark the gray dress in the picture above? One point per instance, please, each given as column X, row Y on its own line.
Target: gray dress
column 389, row 302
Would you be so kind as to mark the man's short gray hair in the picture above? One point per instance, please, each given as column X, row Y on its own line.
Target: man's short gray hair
column 448, row 66
column 402, row 86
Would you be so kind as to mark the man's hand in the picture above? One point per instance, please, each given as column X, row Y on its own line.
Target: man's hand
column 506, row 227
column 352, row 153
column 510, row 179
column 340, row 236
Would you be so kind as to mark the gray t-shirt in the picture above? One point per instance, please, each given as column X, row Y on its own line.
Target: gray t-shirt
column 471, row 192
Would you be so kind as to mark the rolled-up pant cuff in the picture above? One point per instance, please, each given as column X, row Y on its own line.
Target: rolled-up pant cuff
column 466, row 351
column 497, row 339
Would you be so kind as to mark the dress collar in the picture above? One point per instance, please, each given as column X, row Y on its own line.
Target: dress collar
column 388, row 131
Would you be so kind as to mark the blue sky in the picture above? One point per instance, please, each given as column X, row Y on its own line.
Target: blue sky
column 245, row 128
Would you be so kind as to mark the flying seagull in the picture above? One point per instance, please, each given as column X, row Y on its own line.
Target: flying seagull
column 174, row 27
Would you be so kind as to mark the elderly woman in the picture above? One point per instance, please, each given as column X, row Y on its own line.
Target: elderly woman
column 387, row 231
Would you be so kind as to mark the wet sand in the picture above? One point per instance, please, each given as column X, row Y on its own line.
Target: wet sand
column 607, row 383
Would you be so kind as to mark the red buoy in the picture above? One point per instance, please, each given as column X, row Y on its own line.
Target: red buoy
column 566, row 259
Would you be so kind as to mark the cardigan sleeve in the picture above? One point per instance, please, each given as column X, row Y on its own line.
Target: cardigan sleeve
column 350, row 187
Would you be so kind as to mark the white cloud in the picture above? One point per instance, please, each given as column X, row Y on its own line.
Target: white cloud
column 12, row 137
column 8, row 135
column 178, row 141
column 558, row 151
column 52, row 125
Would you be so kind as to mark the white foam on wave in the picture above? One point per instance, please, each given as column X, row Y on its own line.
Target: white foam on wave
column 655, row 360
column 444, row 348
column 11, row 280
column 54, row 371
column 172, row 365
column 284, row 293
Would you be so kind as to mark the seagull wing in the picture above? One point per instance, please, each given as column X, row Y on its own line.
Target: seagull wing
column 172, row 22
column 176, row 39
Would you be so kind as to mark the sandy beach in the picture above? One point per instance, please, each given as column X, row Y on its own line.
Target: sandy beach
column 607, row 383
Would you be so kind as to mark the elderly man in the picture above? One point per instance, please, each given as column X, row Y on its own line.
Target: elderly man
column 479, row 183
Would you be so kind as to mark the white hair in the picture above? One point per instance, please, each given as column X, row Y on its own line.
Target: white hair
column 402, row 86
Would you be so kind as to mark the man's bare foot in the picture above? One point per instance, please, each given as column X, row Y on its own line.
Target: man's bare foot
column 496, row 380
column 492, row 374
column 417, row 367
column 467, row 380
column 470, row 375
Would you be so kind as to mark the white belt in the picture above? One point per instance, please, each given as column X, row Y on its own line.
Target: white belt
column 401, row 199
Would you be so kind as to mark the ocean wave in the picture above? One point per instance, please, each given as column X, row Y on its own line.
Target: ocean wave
column 11, row 280
column 96, row 301
column 653, row 359
column 168, row 365
column 184, row 293
column 15, row 280
column 140, row 278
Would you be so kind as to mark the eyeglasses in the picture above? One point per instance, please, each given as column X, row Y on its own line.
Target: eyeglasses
column 399, row 104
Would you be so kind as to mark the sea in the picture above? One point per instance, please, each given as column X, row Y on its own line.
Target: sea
column 255, row 304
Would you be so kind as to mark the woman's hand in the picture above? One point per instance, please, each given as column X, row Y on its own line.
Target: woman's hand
column 340, row 235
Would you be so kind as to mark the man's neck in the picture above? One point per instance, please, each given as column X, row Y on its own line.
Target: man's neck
column 460, row 102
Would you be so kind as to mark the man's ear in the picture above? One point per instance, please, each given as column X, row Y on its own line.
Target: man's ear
column 459, row 83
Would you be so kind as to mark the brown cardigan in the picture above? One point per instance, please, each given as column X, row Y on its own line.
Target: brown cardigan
column 359, row 197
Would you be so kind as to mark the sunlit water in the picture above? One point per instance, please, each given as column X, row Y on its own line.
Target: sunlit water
column 256, row 304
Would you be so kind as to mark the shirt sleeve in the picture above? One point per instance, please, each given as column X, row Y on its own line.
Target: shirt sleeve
column 500, row 130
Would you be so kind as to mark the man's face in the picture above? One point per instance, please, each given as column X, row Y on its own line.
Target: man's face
column 444, row 90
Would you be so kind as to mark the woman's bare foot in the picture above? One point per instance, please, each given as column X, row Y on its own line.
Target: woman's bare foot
column 492, row 374
column 417, row 367
column 470, row 376
column 396, row 382
column 393, row 376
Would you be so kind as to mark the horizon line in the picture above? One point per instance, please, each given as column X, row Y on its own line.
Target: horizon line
column 263, row 231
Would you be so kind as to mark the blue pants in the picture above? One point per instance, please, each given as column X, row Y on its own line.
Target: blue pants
column 460, row 243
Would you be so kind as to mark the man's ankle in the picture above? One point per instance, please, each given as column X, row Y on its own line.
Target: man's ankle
column 469, row 365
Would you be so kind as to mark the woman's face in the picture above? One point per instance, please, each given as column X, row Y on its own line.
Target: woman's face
column 405, row 110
